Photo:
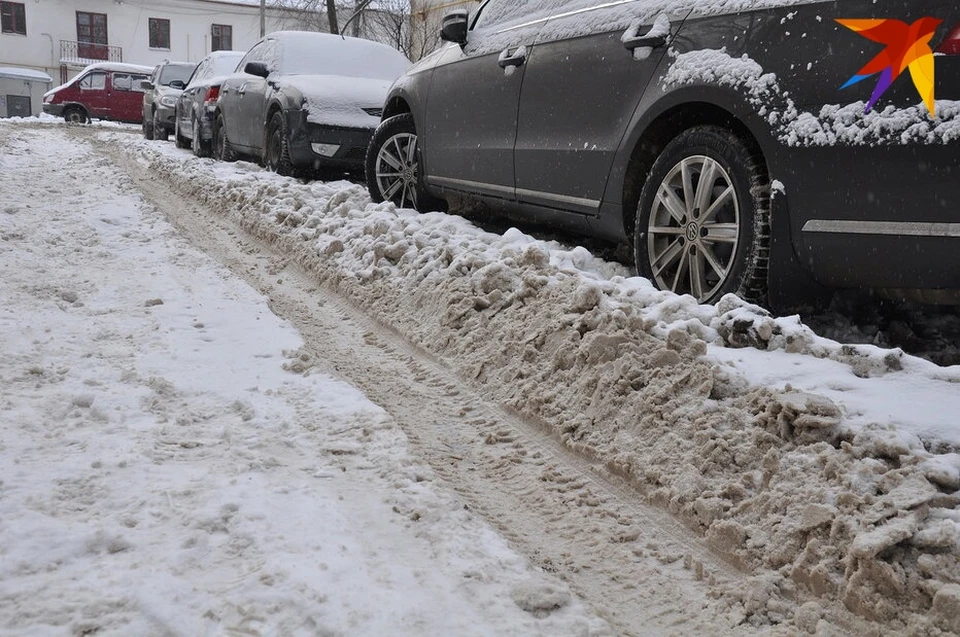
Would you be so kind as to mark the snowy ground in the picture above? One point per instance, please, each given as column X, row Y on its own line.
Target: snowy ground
column 166, row 471
column 828, row 473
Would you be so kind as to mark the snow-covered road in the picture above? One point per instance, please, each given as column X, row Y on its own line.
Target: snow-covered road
column 532, row 407
column 167, row 469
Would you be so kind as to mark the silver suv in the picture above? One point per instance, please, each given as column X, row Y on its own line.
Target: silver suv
column 160, row 94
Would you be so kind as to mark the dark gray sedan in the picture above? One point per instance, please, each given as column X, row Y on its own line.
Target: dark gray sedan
column 744, row 146
column 305, row 100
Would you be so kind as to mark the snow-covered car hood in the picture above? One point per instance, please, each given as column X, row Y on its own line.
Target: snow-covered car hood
column 336, row 100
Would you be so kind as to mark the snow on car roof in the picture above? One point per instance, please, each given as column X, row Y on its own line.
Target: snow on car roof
column 310, row 53
column 118, row 66
column 223, row 54
column 26, row 74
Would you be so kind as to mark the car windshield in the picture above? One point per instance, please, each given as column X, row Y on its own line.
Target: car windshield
column 172, row 72
column 226, row 64
column 349, row 57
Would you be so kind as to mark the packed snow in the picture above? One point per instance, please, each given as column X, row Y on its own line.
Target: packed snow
column 831, row 470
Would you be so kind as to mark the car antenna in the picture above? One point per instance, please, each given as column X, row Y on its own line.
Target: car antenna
column 363, row 5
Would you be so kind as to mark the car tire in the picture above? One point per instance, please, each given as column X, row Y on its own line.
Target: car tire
column 197, row 145
column 147, row 126
column 221, row 147
column 276, row 155
column 159, row 130
column 724, row 249
column 75, row 115
column 392, row 165
column 179, row 140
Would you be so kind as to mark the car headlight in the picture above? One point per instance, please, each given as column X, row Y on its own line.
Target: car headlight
column 168, row 101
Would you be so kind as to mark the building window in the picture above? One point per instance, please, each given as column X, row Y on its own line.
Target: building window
column 159, row 33
column 13, row 18
column 221, row 37
column 92, row 35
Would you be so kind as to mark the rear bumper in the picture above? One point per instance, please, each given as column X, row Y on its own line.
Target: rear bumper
column 350, row 143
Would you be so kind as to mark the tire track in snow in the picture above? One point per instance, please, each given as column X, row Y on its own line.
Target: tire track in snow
column 636, row 565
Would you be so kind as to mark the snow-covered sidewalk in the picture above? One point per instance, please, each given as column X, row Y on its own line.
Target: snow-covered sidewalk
column 166, row 469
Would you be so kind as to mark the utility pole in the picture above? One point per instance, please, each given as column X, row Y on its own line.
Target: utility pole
column 332, row 17
column 263, row 18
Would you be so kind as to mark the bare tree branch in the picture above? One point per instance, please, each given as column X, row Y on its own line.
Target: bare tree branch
column 414, row 33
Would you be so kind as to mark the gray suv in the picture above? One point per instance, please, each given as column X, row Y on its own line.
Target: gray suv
column 731, row 144
column 160, row 96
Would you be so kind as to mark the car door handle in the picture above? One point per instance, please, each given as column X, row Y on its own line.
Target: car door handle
column 512, row 57
column 654, row 38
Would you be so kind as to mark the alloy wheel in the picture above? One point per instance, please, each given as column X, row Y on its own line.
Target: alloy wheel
column 694, row 228
column 397, row 170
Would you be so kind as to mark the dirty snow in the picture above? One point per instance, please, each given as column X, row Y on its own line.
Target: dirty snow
column 831, row 470
column 171, row 464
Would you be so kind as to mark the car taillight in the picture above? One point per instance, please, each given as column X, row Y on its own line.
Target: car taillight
column 951, row 43
column 212, row 94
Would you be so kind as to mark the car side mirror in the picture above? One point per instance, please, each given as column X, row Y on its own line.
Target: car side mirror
column 146, row 85
column 256, row 68
column 178, row 84
column 454, row 27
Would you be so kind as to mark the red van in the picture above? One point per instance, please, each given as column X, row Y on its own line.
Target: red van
column 106, row 90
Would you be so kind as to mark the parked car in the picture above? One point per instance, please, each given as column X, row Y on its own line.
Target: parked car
column 106, row 90
column 305, row 100
column 715, row 139
column 160, row 95
column 197, row 104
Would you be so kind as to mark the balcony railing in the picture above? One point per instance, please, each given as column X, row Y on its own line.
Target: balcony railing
column 88, row 53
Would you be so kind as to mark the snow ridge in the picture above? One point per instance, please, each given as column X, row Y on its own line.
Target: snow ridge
column 776, row 476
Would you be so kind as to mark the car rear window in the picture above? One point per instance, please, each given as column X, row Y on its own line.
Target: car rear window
column 172, row 72
column 225, row 64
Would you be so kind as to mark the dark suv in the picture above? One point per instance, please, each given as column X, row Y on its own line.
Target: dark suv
column 736, row 150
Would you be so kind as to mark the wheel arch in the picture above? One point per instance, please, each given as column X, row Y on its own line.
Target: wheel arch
column 395, row 105
column 664, row 123
column 273, row 106
column 76, row 105
column 790, row 284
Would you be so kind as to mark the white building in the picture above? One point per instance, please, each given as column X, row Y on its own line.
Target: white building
column 60, row 37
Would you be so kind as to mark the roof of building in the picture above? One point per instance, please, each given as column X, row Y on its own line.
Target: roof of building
column 24, row 74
